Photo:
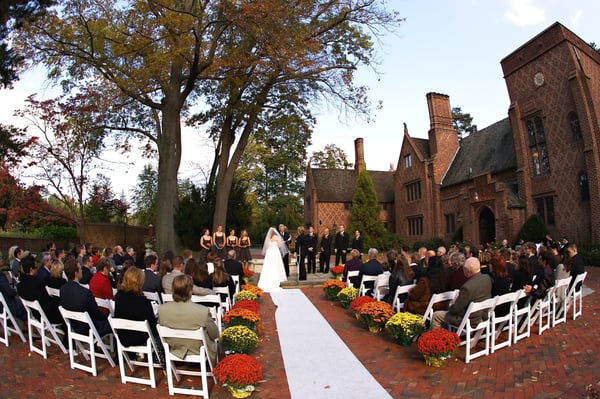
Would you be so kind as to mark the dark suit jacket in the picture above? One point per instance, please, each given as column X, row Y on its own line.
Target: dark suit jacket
column 325, row 245
column 31, row 289
column 341, row 241
column 476, row 289
column 358, row 244
column 134, row 307
column 86, row 275
column 311, row 242
column 233, row 267
column 152, row 281
column 79, row 299
column 10, row 295
column 371, row 268
column 43, row 274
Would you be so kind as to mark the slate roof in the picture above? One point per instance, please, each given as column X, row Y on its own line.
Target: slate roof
column 490, row 150
column 337, row 185
column 422, row 145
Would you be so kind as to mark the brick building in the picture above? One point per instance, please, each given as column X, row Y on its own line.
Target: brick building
column 543, row 158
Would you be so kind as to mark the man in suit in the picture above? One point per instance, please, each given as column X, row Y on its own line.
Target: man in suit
column 185, row 315
column 358, row 242
column 86, row 269
column 325, row 251
column 286, row 238
column 167, row 280
column 44, row 271
column 341, row 245
column 311, row 254
column 15, row 263
column 232, row 265
column 79, row 299
column 370, row 268
column 152, row 281
column 577, row 263
column 477, row 288
column 32, row 288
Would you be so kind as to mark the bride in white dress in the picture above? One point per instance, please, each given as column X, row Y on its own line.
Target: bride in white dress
column 273, row 272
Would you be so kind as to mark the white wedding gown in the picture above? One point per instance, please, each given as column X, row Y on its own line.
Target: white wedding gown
column 273, row 272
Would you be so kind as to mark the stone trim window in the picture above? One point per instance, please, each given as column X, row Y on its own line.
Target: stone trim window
column 407, row 161
column 584, row 188
column 415, row 226
column 575, row 126
column 537, row 146
column 545, row 208
column 450, row 223
column 413, row 191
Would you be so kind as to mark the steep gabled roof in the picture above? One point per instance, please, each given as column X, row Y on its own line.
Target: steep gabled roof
column 490, row 150
column 337, row 185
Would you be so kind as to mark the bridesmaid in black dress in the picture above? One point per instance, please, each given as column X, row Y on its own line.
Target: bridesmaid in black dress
column 206, row 243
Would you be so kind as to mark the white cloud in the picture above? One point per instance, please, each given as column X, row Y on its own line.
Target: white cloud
column 575, row 18
column 523, row 12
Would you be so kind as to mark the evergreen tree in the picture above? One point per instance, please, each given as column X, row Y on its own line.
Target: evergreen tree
column 365, row 212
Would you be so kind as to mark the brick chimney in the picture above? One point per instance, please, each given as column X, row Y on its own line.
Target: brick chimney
column 443, row 138
column 359, row 155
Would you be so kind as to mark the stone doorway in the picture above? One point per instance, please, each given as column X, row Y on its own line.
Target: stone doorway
column 487, row 226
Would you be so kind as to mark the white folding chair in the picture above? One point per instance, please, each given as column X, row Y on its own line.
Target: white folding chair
column 471, row 335
column 153, row 296
column 351, row 273
column 201, row 359
column 398, row 305
column 148, row 350
column 541, row 311
column 559, row 301
column 501, row 323
column 363, row 289
column 236, row 280
column 9, row 323
column 223, row 292
column 575, row 295
column 382, row 286
column 166, row 297
column 436, row 298
column 522, row 317
column 106, row 304
column 48, row 332
column 55, row 292
column 91, row 340
column 213, row 303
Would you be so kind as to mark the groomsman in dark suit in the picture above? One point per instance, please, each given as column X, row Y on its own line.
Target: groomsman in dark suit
column 341, row 245
column 358, row 242
column 286, row 238
column 312, row 250
column 325, row 251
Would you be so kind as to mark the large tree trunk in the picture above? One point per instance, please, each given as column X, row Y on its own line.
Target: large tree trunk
column 169, row 149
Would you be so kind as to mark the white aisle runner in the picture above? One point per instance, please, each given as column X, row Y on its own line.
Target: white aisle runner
column 318, row 364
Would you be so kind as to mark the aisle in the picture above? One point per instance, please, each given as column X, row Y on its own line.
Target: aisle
column 318, row 364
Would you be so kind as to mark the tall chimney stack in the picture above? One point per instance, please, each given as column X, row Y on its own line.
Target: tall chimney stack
column 359, row 155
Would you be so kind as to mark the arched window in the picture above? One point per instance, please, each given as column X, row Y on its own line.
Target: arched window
column 584, row 188
column 537, row 146
column 575, row 126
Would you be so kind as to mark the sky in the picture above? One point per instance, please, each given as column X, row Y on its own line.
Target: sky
column 453, row 47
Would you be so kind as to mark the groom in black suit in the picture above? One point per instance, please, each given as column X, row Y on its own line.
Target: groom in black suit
column 341, row 245
column 286, row 237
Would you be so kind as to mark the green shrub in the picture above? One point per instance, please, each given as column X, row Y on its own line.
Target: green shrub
column 534, row 229
column 590, row 253
column 56, row 232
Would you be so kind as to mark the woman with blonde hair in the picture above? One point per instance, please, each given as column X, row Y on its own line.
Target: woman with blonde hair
column 56, row 279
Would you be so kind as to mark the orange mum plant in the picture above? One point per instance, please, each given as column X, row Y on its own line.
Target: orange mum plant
column 439, row 343
column 238, row 371
column 332, row 288
column 242, row 317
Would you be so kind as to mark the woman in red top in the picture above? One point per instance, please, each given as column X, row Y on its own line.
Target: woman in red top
column 101, row 283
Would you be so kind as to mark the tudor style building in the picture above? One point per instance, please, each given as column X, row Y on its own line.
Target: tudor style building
column 543, row 158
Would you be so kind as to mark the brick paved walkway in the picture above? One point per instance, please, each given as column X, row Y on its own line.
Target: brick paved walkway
column 558, row 364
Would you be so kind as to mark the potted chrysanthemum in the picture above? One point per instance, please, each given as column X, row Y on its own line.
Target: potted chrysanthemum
column 253, row 288
column 404, row 327
column 337, row 271
column 238, row 339
column 332, row 288
column 242, row 317
column 358, row 302
column 247, row 304
column 437, row 346
column 347, row 295
column 239, row 373
column 245, row 295
column 375, row 315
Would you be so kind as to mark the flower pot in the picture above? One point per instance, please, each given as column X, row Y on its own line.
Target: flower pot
column 404, row 341
column 435, row 361
column 345, row 304
column 375, row 328
column 241, row 392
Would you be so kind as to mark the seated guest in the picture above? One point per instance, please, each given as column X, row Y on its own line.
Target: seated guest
column 418, row 297
column 76, row 298
column 32, row 288
column 353, row 264
column 44, row 271
column 501, row 283
column 167, row 281
column 131, row 304
column 371, row 268
column 200, row 274
column 232, row 265
column 186, row 315
column 544, row 279
column 14, row 303
column 86, row 269
column 401, row 274
column 437, row 275
column 101, row 284
column 457, row 276
column 56, row 279
column 152, row 282
column 220, row 278
column 477, row 288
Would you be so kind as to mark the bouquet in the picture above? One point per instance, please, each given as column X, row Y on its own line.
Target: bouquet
column 332, row 288
column 242, row 317
column 404, row 327
column 238, row 372
column 337, row 271
column 252, row 288
column 247, row 304
column 245, row 295
column 347, row 295
column 375, row 314
column 239, row 339
column 439, row 343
